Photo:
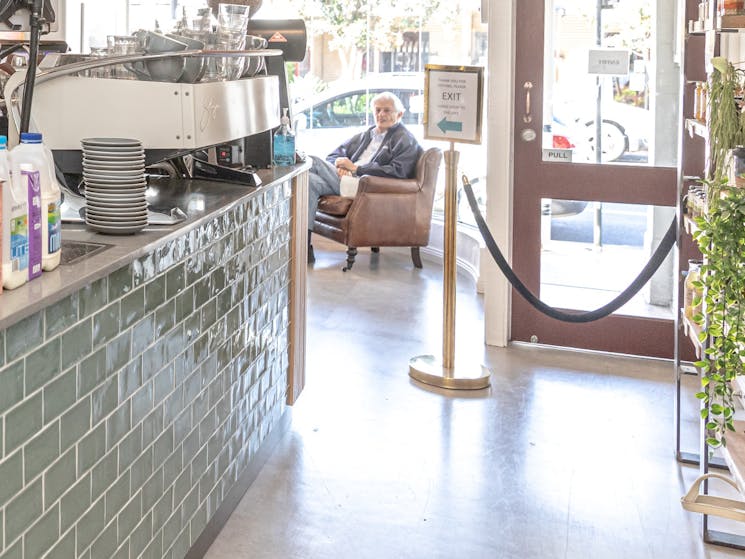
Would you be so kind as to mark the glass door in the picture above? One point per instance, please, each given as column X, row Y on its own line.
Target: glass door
column 595, row 184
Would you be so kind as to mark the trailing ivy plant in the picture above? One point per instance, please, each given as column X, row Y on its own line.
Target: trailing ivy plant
column 721, row 238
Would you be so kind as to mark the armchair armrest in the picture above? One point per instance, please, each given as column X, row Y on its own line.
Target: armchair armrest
column 384, row 185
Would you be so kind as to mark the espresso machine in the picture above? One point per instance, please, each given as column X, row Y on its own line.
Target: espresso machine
column 219, row 130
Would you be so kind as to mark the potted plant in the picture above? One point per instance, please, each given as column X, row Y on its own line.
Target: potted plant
column 721, row 239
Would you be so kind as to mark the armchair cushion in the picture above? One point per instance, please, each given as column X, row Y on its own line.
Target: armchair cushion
column 335, row 205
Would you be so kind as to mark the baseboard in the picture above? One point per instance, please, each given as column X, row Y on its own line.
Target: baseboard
column 220, row 518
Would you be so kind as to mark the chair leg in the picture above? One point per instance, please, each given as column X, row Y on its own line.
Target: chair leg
column 416, row 257
column 375, row 249
column 351, row 253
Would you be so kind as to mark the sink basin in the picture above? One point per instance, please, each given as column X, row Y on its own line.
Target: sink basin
column 75, row 251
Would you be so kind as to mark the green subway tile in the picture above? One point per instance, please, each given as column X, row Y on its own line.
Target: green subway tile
column 24, row 336
column 217, row 281
column 91, row 371
column 117, row 352
column 41, row 451
column 163, row 384
column 154, row 359
column 155, row 293
column 41, row 536
column 130, row 378
column 117, row 496
column 163, row 446
column 15, row 551
column 129, row 516
column 198, row 522
column 42, row 365
column 106, row 324
column 165, row 318
column 209, row 314
column 154, row 550
column 22, row 422
column 171, row 530
column 133, row 307
column 174, row 343
column 173, row 467
column 118, row 424
column 60, row 395
column 122, row 552
column 59, row 477
column 142, row 334
column 92, row 297
column 75, row 502
column 11, row 385
column 142, row 468
column 76, row 343
column 152, row 492
column 152, row 426
column 90, row 525
column 91, row 448
column 104, row 399
column 104, row 474
column 181, row 545
column 194, row 268
column 120, row 282
column 201, row 292
column 141, row 535
column 75, row 423
column 142, row 403
column 130, row 448
column 61, row 315
column 11, row 474
column 23, row 510
column 175, row 280
column 65, row 547
column 2, row 348
column 105, row 544
column 184, row 304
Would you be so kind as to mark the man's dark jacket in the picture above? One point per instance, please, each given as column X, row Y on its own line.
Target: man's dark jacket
column 396, row 158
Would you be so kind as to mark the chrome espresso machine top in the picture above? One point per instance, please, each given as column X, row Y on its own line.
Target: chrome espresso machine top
column 183, row 127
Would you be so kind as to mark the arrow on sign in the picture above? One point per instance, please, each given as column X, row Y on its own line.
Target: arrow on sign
column 450, row 125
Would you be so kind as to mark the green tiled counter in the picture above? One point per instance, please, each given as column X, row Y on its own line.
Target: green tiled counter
column 138, row 386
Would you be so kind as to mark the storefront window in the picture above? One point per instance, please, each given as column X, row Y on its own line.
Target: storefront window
column 353, row 54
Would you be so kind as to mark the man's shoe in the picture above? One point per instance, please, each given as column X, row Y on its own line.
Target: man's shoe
column 311, row 256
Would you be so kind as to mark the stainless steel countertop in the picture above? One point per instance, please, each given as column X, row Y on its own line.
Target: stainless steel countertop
column 199, row 199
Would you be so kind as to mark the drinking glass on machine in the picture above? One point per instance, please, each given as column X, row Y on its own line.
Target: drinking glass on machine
column 120, row 45
column 232, row 17
column 232, row 22
column 101, row 71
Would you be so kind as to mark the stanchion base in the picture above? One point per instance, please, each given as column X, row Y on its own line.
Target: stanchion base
column 429, row 370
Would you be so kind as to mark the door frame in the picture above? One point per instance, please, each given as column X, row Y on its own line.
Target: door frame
column 616, row 333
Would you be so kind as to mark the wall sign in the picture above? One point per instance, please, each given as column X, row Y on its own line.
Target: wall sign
column 608, row 62
column 557, row 155
column 453, row 97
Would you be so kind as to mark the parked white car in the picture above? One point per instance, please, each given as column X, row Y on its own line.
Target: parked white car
column 329, row 118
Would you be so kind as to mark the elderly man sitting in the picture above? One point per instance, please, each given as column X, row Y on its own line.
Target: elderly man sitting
column 387, row 149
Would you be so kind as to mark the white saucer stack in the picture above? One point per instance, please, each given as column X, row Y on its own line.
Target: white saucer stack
column 114, row 177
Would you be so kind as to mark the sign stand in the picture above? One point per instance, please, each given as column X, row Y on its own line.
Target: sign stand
column 454, row 110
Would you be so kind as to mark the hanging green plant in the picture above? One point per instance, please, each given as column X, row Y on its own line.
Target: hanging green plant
column 726, row 122
column 721, row 238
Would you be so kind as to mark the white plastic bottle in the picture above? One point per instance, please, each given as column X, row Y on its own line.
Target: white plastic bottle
column 32, row 151
column 15, row 226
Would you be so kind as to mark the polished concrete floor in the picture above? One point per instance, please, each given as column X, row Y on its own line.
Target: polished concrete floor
column 567, row 455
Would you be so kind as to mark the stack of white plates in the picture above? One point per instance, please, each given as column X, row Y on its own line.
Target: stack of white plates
column 114, row 177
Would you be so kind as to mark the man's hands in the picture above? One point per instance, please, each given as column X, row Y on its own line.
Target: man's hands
column 345, row 166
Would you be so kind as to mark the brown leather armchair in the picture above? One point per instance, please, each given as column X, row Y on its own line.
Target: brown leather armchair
column 384, row 212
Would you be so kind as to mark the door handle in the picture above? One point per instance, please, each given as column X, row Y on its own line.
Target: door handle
column 527, row 117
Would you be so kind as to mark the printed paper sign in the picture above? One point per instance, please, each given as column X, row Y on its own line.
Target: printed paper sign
column 608, row 62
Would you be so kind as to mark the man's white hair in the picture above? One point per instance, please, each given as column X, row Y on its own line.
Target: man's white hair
column 388, row 96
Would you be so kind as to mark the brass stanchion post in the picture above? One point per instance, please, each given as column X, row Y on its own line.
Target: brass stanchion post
column 426, row 368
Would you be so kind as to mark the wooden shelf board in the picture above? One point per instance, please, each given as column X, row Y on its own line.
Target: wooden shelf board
column 730, row 23
column 734, row 453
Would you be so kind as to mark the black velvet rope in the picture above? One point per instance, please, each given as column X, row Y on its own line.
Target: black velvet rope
column 647, row 272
